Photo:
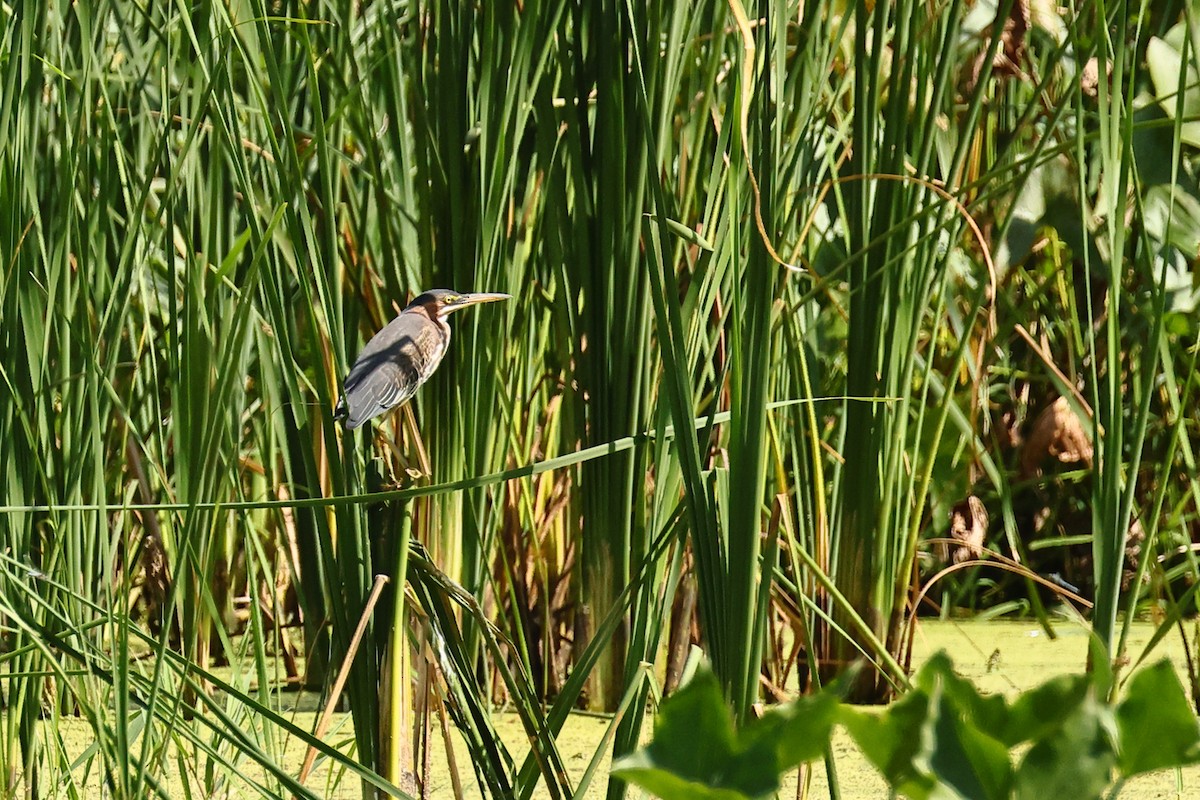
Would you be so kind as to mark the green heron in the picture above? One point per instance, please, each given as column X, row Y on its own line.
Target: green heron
column 403, row 354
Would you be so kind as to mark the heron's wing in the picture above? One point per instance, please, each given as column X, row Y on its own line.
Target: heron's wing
column 394, row 363
column 377, row 383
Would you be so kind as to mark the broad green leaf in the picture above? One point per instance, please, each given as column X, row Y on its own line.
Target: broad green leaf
column 640, row 769
column 1074, row 761
column 694, row 745
column 964, row 759
column 936, row 741
column 891, row 740
column 1172, row 216
column 987, row 713
column 1040, row 711
column 1166, row 62
column 1158, row 729
column 695, row 752
column 796, row 732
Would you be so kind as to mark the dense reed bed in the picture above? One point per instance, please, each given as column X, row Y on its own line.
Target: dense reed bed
column 810, row 301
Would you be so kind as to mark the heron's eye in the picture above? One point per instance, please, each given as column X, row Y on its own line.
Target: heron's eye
column 453, row 298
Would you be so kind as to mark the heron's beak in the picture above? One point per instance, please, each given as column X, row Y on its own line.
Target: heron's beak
column 475, row 298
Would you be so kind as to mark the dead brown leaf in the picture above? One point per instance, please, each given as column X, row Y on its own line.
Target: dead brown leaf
column 1057, row 432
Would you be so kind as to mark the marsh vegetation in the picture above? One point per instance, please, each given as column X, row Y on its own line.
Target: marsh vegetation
column 824, row 317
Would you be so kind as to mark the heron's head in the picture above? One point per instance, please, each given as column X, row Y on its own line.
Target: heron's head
column 443, row 302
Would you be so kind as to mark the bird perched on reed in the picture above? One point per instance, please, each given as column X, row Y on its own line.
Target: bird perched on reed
column 403, row 354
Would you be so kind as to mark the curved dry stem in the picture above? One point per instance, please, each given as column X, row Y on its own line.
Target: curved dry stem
column 1000, row 562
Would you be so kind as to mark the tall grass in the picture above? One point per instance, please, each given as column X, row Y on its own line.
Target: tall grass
column 775, row 271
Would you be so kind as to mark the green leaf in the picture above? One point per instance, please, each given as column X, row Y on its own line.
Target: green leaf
column 696, row 753
column 695, row 746
column 641, row 769
column 1074, row 761
column 988, row 713
column 1158, row 729
column 1165, row 61
column 1043, row 710
column 1172, row 215
column 891, row 741
column 936, row 741
column 962, row 757
column 796, row 732
column 940, row 739
column 235, row 251
column 1100, row 668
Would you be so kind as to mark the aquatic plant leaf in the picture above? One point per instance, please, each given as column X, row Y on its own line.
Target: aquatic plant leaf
column 937, row 741
column 1158, row 729
column 797, row 732
column 891, row 741
column 963, row 758
column 640, row 768
column 1047, row 193
column 988, row 713
column 1042, row 710
column 1076, row 760
column 695, row 753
